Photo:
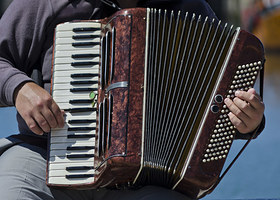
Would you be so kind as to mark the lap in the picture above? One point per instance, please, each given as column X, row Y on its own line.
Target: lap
column 145, row 193
column 23, row 172
column 22, row 176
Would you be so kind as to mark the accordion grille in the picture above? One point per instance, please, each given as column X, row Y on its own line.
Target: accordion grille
column 185, row 57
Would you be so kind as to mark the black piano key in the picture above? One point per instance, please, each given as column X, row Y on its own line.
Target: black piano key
column 81, row 136
column 73, row 176
column 90, row 75
column 78, row 101
column 82, row 82
column 83, row 89
column 78, row 37
column 80, row 156
column 84, row 29
column 80, row 121
column 86, row 55
column 81, row 129
column 80, row 148
column 74, row 64
column 82, row 44
column 75, row 110
column 79, row 168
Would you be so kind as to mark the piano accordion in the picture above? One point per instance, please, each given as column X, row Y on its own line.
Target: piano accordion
column 143, row 97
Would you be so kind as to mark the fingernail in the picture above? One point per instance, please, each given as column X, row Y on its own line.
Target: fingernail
column 226, row 100
column 237, row 93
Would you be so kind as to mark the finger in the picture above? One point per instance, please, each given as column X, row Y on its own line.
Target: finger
column 239, row 124
column 245, row 107
column 251, row 97
column 33, row 126
column 253, row 91
column 58, row 114
column 236, row 110
column 42, row 122
column 49, row 116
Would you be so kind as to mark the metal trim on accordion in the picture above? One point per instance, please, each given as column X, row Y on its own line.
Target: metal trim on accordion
column 143, row 95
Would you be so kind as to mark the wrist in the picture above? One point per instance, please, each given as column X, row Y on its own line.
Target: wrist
column 17, row 90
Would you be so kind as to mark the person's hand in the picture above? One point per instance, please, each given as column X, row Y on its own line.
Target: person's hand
column 37, row 108
column 246, row 109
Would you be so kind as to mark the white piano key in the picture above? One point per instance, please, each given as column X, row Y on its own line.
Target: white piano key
column 65, row 132
column 68, row 93
column 72, row 86
column 65, row 67
column 70, row 140
column 71, row 97
column 73, row 143
column 62, row 166
column 60, row 99
column 68, row 79
column 70, row 47
column 70, row 33
column 76, row 70
column 64, row 87
column 63, row 152
column 68, row 26
column 70, row 40
column 59, row 173
column 66, row 125
column 62, row 132
column 64, row 106
column 82, row 115
column 65, row 60
column 63, row 146
column 63, row 159
column 76, row 181
column 59, row 73
column 73, row 125
column 61, row 54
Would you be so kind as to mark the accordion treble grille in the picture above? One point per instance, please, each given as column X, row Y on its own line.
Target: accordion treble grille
column 185, row 60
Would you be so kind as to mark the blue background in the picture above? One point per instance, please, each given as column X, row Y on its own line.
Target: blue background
column 256, row 174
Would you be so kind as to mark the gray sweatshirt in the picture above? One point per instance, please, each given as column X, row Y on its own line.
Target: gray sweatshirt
column 26, row 40
column 27, row 30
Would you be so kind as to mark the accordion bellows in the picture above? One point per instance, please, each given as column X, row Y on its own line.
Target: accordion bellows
column 143, row 94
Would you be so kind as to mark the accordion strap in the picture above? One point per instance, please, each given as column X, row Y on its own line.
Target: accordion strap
column 261, row 83
column 111, row 4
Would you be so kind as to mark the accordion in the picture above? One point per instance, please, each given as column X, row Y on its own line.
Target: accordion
column 143, row 93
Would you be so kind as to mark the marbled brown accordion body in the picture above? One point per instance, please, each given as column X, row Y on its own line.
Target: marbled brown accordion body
column 160, row 112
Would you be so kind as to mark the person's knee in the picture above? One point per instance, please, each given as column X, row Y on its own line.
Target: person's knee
column 22, row 173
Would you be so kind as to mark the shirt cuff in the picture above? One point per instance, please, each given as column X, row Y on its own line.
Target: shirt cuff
column 11, row 84
column 249, row 135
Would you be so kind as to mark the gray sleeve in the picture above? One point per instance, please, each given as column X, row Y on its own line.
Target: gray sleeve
column 21, row 40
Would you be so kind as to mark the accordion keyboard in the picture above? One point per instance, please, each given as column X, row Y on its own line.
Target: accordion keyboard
column 74, row 88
